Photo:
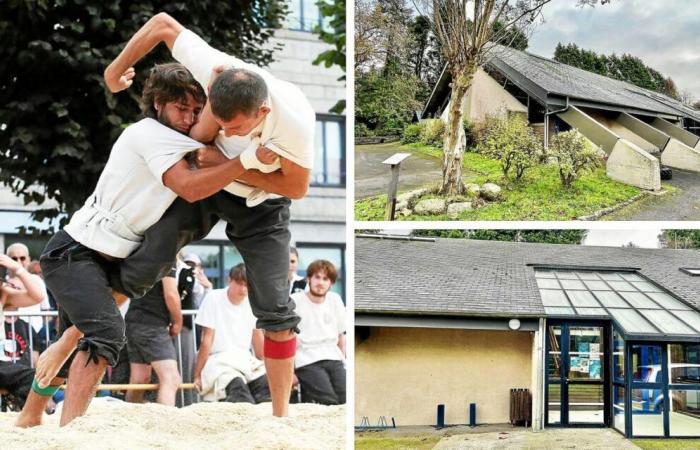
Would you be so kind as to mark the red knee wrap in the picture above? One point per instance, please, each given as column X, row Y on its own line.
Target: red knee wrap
column 280, row 349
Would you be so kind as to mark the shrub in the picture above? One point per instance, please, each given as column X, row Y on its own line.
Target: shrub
column 470, row 134
column 512, row 143
column 361, row 130
column 432, row 132
column 573, row 155
column 411, row 134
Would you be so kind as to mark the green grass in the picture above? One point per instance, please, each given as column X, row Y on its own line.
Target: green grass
column 667, row 444
column 538, row 196
column 366, row 441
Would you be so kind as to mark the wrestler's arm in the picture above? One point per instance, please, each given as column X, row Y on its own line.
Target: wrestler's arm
column 172, row 302
column 32, row 290
column 206, row 128
column 258, row 343
column 291, row 181
column 203, row 355
column 194, row 185
column 159, row 28
column 341, row 343
column 18, row 297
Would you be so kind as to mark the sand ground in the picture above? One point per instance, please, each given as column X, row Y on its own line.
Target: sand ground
column 119, row 425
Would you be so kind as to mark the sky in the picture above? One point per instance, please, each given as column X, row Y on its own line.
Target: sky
column 665, row 34
column 616, row 238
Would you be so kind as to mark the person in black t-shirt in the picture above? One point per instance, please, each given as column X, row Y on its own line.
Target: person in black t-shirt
column 151, row 323
column 19, row 349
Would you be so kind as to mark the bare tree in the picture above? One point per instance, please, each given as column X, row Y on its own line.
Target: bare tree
column 467, row 33
column 686, row 97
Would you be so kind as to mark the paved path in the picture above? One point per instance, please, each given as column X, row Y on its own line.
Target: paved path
column 550, row 439
column 372, row 177
column 681, row 205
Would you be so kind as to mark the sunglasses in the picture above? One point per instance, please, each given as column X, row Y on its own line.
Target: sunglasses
column 19, row 258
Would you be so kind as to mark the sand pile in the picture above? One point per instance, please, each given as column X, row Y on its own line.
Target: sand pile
column 119, row 425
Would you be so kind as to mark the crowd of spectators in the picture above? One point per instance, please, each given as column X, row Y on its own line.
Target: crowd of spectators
column 218, row 349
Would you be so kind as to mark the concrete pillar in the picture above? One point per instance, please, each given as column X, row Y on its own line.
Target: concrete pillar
column 538, row 377
column 644, row 130
column 631, row 165
column 627, row 162
column 678, row 133
column 680, row 156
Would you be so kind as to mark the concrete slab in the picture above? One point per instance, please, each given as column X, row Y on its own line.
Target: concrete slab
column 680, row 156
column 632, row 165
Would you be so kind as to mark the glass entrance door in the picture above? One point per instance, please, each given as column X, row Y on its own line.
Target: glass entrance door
column 576, row 368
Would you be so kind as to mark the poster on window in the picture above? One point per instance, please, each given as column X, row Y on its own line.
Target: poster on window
column 595, row 352
column 594, row 368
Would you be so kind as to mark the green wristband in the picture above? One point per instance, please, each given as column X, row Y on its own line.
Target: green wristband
column 48, row 391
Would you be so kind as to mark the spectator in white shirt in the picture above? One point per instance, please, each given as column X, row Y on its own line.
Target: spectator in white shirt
column 321, row 341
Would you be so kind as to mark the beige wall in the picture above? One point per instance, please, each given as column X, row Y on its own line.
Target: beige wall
column 406, row 372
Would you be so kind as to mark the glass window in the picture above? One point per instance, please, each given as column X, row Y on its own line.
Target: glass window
column 647, row 412
column 572, row 284
column 329, row 158
column 586, row 403
column 610, row 299
column 684, row 416
column 646, row 364
column 566, row 275
column 554, row 403
column 231, row 258
column 597, row 285
column 610, row 276
column 591, row 311
column 558, row 311
column 621, row 286
column 618, row 356
column 544, row 274
column 619, row 408
column 588, row 276
column 667, row 322
column 554, row 298
column 639, row 300
column 690, row 317
column 545, row 283
column 303, row 15
column 585, row 353
column 631, row 277
column 668, row 301
column 684, row 363
column 645, row 286
column 582, row 298
column 631, row 321
column 693, row 271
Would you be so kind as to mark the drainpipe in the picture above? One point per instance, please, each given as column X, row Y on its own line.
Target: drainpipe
column 546, row 121
column 538, row 420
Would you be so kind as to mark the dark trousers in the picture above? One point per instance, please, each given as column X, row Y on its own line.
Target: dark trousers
column 260, row 234
column 78, row 278
column 322, row 382
column 257, row 391
column 17, row 380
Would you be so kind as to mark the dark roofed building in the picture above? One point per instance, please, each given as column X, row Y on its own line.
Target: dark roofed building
column 635, row 127
column 601, row 336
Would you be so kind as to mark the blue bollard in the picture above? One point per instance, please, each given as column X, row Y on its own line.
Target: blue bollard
column 441, row 416
column 472, row 414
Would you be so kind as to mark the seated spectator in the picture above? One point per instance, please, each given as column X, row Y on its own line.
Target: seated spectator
column 19, row 347
column 297, row 283
column 20, row 253
column 225, row 368
column 321, row 341
column 16, row 379
column 151, row 323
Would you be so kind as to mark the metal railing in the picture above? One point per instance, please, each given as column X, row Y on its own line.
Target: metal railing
column 46, row 315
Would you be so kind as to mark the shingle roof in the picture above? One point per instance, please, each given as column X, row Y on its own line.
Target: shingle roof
column 561, row 79
column 491, row 278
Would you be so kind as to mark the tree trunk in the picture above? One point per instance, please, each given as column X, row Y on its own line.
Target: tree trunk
column 453, row 141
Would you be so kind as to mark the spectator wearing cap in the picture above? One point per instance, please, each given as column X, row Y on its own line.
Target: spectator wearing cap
column 320, row 355
column 202, row 285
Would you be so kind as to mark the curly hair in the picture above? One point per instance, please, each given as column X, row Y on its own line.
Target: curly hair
column 168, row 83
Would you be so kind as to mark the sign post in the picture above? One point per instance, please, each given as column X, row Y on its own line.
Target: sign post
column 395, row 162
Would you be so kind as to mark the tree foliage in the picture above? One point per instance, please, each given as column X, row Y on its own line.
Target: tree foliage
column 681, row 238
column 384, row 103
column 58, row 120
column 625, row 68
column 574, row 237
column 333, row 12
column 573, row 155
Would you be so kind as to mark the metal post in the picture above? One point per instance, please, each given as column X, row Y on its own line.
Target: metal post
column 31, row 342
column 14, row 341
column 440, row 416
column 179, row 361
column 395, row 162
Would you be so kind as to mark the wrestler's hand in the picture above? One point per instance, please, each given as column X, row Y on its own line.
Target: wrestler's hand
column 175, row 327
column 124, row 81
column 216, row 71
column 10, row 263
column 209, row 156
column 266, row 156
column 198, row 383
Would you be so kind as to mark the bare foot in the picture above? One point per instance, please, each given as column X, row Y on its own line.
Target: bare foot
column 27, row 420
column 53, row 358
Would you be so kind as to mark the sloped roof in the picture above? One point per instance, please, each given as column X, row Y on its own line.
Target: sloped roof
column 458, row 277
column 546, row 79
